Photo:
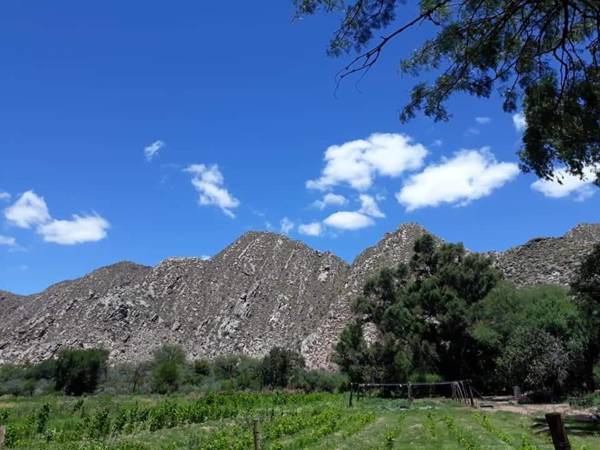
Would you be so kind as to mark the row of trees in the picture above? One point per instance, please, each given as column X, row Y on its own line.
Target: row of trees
column 80, row 371
column 449, row 314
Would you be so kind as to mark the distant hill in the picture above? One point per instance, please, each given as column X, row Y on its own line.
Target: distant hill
column 263, row 290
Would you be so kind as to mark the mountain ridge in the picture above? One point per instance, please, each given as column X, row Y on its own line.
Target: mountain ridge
column 262, row 290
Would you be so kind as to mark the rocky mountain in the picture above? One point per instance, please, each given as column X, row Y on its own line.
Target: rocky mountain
column 263, row 290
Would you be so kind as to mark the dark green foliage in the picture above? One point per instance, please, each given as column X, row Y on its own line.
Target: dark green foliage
column 279, row 366
column 541, row 54
column 43, row 370
column 535, row 360
column 532, row 337
column 318, row 381
column 421, row 311
column 351, row 353
column 167, row 368
column 586, row 288
column 448, row 315
column 42, row 417
column 79, row 371
column 202, row 368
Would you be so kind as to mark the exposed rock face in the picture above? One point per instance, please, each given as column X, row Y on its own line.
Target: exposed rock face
column 393, row 249
column 263, row 290
column 549, row 260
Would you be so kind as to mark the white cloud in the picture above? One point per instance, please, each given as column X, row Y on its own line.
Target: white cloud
column 208, row 181
column 311, row 229
column 205, row 258
column 370, row 207
column 151, row 151
column 76, row 231
column 357, row 163
column 519, row 121
column 469, row 175
column 330, row 199
column 7, row 240
column 482, row 120
column 565, row 185
column 30, row 209
column 286, row 225
column 438, row 143
column 4, row 196
column 348, row 220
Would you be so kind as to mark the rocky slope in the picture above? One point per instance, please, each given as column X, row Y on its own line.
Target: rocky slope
column 261, row 291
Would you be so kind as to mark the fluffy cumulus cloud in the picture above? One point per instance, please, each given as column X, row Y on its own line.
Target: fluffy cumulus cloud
column 4, row 196
column 348, row 220
column 286, row 225
column 311, row 229
column 29, row 210
column 209, row 183
column 7, row 240
column 519, row 121
column 78, row 230
column 370, row 207
column 330, row 199
column 357, row 163
column 567, row 185
column 151, row 151
column 467, row 176
column 482, row 120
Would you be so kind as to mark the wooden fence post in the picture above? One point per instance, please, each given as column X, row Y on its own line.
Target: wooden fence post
column 558, row 431
column 2, row 436
column 409, row 392
column 350, row 399
column 471, row 394
column 256, row 434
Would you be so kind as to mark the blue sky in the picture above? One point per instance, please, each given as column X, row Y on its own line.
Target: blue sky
column 240, row 104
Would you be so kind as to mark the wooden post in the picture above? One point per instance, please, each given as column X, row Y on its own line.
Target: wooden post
column 2, row 436
column 558, row 431
column 471, row 394
column 409, row 392
column 350, row 399
column 256, row 434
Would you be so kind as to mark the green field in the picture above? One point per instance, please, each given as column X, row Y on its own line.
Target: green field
column 286, row 421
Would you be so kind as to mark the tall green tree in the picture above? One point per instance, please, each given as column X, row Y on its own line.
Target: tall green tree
column 279, row 366
column 79, row 371
column 423, row 312
column 586, row 287
column 531, row 336
column 541, row 55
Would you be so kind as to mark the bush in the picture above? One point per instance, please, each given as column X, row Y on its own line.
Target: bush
column 319, row 381
column 279, row 366
column 127, row 378
column 597, row 374
column 166, row 377
column 167, row 368
column 79, row 371
column 201, row 368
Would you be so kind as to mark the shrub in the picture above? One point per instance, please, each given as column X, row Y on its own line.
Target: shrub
column 167, row 366
column 166, row 377
column 279, row 366
column 44, row 370
column 201, row 368
column 127, row 378
column 318, row 381
column 79, row 371
column 597, row 374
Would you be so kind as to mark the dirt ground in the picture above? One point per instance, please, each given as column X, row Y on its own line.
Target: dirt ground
column 534, row 409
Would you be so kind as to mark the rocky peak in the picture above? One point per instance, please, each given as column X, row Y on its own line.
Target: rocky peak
column 549, row 259
column 263, row 290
